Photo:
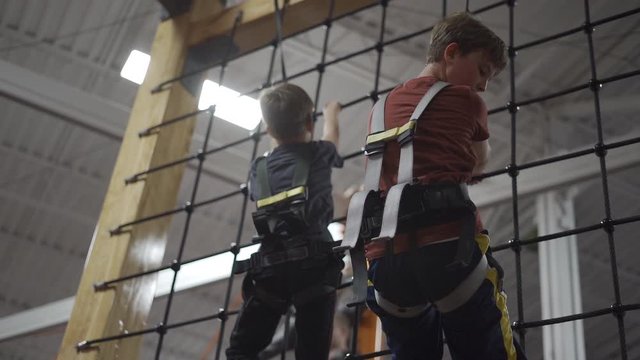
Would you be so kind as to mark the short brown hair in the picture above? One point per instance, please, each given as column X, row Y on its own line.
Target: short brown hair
column 470, row 34
column 285, row 109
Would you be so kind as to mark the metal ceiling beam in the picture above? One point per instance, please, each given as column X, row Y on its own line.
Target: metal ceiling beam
column 497, row 189
column 191, row 275
column 44, row 164
column 35, row 319
column 123, row 32
column 345, row 68
column 81, row 109
column 610, row 106
column 23, row 42
column 68, row 214
column 62, row 101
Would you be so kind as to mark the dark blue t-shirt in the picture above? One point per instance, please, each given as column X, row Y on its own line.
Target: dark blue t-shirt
column 280, row 167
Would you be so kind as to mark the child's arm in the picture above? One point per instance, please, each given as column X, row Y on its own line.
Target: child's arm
column 331, row 129
column 481, row 149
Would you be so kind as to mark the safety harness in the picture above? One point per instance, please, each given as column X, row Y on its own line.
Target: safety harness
column 281, row 220
column 407, row 205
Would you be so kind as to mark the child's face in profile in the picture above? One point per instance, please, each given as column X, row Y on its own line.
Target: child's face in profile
column 473, row 69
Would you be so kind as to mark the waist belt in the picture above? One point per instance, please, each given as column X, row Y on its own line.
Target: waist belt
column 422, row 206
column 260, row 260
column 428, row 205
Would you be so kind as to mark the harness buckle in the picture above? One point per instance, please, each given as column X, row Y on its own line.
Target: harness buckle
column 381, row 239
column 271, row 219
column 273, row 258
column 374, row 148
column 257, row 239
column 406, row 135
column 372, row 218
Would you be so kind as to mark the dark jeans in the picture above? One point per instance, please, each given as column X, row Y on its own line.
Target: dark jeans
column 478, row 330
column 267, row 297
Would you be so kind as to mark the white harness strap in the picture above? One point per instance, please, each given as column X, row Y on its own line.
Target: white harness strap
column 456, row 298
column 399, row 311
column 352, row 240
column 461, row 294
column 405, row 171
column 371, row 181
column 375, row 150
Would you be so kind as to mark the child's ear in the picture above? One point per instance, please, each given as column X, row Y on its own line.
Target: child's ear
column 310, row 124
column 450, row 51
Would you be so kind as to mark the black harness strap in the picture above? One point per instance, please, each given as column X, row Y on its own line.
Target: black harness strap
column 262, row 177
column 288, row 207
column 259, row 261
column 301, row 172
column 300, row 176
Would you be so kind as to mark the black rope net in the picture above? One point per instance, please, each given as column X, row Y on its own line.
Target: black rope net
column 603, row 231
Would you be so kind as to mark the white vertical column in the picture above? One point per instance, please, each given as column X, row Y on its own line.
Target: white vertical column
column 559, row 277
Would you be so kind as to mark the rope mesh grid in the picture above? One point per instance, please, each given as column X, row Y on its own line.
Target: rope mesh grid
column 600, row 148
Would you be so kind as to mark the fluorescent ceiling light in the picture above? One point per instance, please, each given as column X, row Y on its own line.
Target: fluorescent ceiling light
column 201, row 272
column 136, row 67
column 337, row 230
column 243, row 111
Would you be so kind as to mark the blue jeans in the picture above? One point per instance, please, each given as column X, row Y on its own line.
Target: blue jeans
column 477, row 330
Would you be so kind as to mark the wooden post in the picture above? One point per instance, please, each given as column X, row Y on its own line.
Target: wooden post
column 367, row 332
column 98, row 314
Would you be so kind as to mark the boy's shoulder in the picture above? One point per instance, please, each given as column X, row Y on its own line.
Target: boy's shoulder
column 451, row 97
column 322, row 145
column 319, row 151
column 286, row 151
column 313, row 145
column 418, row 86
column 464, row 93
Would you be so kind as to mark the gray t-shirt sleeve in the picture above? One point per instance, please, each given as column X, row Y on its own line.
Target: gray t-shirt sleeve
column 326, row 151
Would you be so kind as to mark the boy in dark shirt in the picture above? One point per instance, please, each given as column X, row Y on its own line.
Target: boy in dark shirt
column 295, row 264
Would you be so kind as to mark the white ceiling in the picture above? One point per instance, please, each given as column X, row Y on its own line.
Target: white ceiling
column 64, row 107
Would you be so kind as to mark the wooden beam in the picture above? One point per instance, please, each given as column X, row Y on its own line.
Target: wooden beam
column 97, row 314
column 258, row 26
column 367, row 332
